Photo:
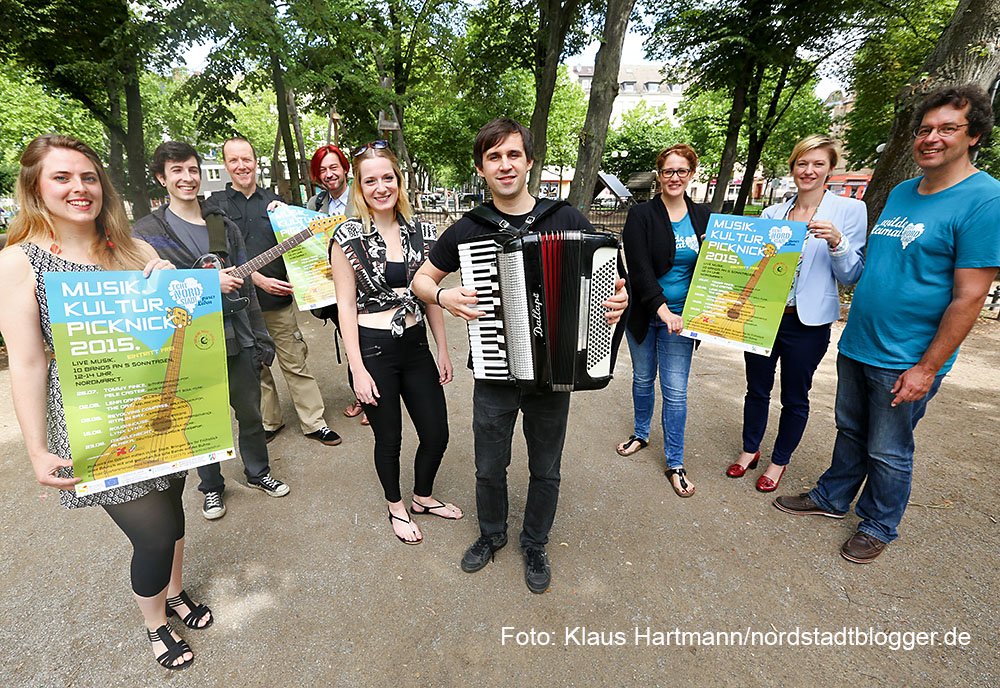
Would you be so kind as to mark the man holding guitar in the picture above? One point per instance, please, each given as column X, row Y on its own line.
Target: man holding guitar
column 181, row 233
column 247, row 204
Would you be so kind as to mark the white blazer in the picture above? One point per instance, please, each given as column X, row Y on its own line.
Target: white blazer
column 816, row 297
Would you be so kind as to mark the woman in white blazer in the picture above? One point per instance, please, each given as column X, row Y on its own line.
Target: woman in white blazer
column 833, row 252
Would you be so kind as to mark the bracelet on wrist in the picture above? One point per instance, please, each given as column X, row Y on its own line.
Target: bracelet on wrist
column 437, row 297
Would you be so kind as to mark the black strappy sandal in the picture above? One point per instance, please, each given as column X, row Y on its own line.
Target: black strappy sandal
column 627, row 446
column 197, row 613
column 431, row 509
column 174, row 649
column 680, row 473
column 401, row 538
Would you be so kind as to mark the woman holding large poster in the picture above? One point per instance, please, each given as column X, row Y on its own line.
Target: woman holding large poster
column 374, row 258
column 832, row 253
column 72, row 220
column 661, row 238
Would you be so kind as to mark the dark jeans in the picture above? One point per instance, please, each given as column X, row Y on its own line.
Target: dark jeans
column 404, row 369
column 244, row 397
column 494, row 412
column 153, row 524
column 800, row 348
column 874, row 446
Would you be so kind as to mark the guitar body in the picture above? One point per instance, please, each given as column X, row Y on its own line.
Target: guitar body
column 731, row 304
column 154, row 434
column 230, row 303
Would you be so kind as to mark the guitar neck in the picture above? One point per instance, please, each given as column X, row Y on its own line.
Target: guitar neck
column 272, row 253
column 752, row 282
column 173, row 365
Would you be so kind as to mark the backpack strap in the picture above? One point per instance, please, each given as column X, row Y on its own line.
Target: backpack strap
column 486, row 215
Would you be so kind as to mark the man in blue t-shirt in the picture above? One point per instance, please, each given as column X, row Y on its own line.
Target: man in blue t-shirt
column 931, row 259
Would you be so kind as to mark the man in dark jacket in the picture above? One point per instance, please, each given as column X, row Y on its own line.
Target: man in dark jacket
column 180, row 233
column 246, row 204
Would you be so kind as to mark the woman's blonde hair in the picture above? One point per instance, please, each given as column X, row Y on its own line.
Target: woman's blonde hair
column 113, row 247
column 357, row 196
column 813, row 142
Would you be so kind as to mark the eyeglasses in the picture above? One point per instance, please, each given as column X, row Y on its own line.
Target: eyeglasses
column 374, row 145
column 944, row 131
column 681, row 173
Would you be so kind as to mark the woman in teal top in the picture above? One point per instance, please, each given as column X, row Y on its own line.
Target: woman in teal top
column 661, row 240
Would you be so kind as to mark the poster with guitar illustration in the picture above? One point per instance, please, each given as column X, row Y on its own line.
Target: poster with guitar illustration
column 741, row 281
column 142, row 368
column 307, row 264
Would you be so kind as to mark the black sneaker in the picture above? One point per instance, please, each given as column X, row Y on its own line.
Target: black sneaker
column 272, row 486
column 537, row 573
column 214, row 506
column 326, row 436
column 481, row 552
column 271, row 434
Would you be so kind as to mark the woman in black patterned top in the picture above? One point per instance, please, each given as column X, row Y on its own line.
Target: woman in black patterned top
column 374, row 257
column 72, row 220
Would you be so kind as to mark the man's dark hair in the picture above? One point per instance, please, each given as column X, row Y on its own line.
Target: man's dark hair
column 980, row 114
column 495, row 132
column 172, row 151
column 237, row 138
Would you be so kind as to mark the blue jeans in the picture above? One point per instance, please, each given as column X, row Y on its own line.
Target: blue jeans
column 494, row 413
column 672, row 354
column 874, row 441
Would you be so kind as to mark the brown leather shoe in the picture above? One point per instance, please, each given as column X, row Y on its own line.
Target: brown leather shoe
column 802, row 504
column 862, row 548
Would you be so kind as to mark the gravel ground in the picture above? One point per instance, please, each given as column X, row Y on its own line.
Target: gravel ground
column 313, row 589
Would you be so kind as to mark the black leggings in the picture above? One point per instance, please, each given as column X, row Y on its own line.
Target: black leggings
column 404, row 369
column 153, row 523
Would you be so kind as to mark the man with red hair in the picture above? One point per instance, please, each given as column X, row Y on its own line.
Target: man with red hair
column 328, row 169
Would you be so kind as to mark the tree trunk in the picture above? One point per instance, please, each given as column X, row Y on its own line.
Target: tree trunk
column 732, row 138
column 967, row 51
column 293, row 115
column 135, row 146
column 284, row 129
column 116, row 142
column 603, row 90
column 554, row 19
column 760, row 132
column 277, row 170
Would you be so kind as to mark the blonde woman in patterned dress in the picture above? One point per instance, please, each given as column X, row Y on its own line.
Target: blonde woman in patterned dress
column 72, row 220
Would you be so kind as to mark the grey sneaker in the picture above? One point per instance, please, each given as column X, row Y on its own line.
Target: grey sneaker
column 481, row 552
column 272, row 486
column 214, row 506
column 537, row 573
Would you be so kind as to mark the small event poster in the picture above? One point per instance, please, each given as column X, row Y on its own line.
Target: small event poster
column 142, row 366
column 741, row 281
column 307, row 265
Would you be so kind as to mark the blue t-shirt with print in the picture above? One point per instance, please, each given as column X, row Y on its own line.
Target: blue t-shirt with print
column 909, row 274
column 677, row 280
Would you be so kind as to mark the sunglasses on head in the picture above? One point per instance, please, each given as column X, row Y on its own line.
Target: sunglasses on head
column 374, row 145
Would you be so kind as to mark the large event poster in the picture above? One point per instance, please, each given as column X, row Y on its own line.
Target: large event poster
column 741, row 281
column 307, row 265
column 142, row 366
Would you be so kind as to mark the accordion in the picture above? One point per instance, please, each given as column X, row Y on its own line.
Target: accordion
column 544, row 326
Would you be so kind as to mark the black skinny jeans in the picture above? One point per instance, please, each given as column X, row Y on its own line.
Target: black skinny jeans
column 404, row 369
column 153, row 524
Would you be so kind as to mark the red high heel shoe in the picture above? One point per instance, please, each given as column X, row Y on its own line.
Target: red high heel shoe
column 765, row 484
column 737, row 471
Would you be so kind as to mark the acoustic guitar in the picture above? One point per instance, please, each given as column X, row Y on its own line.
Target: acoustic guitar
column 154, row 423
column 736, row 308
column 234, row 304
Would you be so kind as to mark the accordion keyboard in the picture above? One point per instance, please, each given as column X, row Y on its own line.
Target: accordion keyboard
column 486, row 339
